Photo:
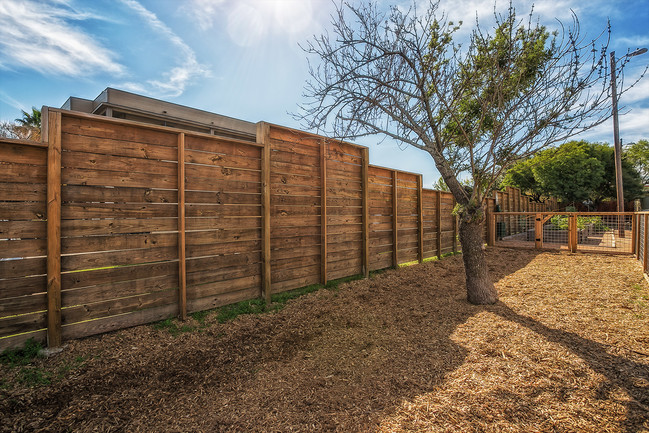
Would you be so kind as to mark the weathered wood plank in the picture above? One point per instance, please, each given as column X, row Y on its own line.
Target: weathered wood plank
column 215, row 301
column 75, row 176
column 13, row 191
column 222, row 287
column 74, row 211
column 113, row 163
column 22, row 173
column 23, row 304
column 223, row 274
column 112, row 323
column 117, row 226
column 223, row 248
column 117, row 258
column 223, row 146
column 17, row 341
column 13, row 287
column 22, row 248
column 224, row 160
column 103, row 277
column 26, row 211
column 112, row 307
column 22, row 154
column 125, row 148
column 118, row 289
column 117, row 131
column 24, row 323
column 89, row 193
column 224, row 222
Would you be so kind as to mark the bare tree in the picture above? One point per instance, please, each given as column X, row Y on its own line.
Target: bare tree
column 476, row 109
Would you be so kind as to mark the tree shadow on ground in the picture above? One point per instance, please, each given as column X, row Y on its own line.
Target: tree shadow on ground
column 620, row 372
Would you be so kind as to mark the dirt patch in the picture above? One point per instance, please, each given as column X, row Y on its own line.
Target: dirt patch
column 567, row 349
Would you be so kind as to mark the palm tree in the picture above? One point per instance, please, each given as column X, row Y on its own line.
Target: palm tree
column 29, row 126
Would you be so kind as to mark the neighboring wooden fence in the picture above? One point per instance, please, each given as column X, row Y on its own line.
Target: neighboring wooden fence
column 115, row 223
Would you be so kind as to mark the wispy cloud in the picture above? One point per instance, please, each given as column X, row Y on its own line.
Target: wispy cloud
column 4, row 97
column 175, row 80
column 249, row 22
column 39, row 36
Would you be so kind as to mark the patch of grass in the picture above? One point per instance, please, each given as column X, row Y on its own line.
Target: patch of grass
column 33, row 376
column 21, row 356
column 170, row 325
column 30, row 375
column 200, row 316
column 229, row 312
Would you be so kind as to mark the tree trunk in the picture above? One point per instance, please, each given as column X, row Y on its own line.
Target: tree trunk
column 479, row 287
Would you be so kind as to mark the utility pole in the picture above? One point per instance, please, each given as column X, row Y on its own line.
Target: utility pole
column 617, row 146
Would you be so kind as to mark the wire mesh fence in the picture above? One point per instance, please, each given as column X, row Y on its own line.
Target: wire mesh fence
column 605, row 233
column 596, row 232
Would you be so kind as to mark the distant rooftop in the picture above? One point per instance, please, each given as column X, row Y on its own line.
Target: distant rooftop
column 125, row 105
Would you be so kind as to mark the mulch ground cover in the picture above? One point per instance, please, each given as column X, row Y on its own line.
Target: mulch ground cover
column 566, row 349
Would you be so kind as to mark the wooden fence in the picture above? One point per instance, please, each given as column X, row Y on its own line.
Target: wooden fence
column 114, row 223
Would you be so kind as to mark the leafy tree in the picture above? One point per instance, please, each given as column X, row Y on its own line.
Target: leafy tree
column 475, row 108
column 631, row 179
column 637, row 154
column 440, row 185
column 574, row 172
column 569, row 172
column 521, row 175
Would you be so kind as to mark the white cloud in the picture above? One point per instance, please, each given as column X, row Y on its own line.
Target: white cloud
column 633, row 127
column 249, row 22
column 39, row 36
column 175, row 80
column 633, row 42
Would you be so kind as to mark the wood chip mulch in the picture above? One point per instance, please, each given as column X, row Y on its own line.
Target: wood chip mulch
column 566, row 350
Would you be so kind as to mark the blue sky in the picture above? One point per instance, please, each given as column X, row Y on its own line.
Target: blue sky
column 241, row 58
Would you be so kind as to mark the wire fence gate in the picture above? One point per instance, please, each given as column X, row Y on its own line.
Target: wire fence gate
column 603, row 232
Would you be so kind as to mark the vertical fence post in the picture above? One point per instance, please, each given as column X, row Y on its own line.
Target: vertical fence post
column 492, row 230
column 182, row 269
column 634, row 230
column 54, row 229
column 323, row 211
column 538, row 230
column 366, row 211
column 572, row 233
column 487, row 221
column 636, row 236
column 645, row 251
column 420, row 218
column 439, row 224
column 395, row 226
column 263, row 130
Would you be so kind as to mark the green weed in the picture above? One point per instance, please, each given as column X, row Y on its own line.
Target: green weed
column 33, row 376
column 200, row 316
column 22, row 356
